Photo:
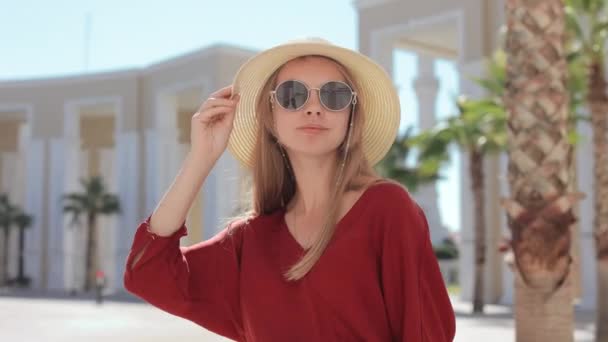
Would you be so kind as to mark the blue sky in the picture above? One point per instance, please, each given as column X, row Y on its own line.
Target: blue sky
column 47, row 38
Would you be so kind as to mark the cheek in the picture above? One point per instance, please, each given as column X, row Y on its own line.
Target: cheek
column 282, row 125
column 342, row 125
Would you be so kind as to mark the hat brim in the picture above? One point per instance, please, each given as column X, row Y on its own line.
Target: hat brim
column 379, row 104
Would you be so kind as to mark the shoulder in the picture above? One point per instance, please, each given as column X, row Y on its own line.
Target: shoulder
column 235, row 232
column 388, row 195
column 251, row 222
column 396, row 213
column 388, row 186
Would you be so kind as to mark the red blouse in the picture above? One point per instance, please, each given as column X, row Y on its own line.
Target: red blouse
column 378, row 279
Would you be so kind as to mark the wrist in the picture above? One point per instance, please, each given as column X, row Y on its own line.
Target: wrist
column 199, row 159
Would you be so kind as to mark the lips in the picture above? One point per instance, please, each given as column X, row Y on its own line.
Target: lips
column 312, row 128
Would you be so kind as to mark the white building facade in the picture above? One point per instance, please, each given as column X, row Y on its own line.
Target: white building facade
column 130, row 127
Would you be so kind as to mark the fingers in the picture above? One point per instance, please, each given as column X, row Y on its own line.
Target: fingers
column 225, row 92
column 215, row 102
column 213, row 114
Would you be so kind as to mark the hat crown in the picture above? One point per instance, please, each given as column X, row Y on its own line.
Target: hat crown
column 311, row 39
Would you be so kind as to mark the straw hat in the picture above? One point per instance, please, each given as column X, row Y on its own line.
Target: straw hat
column 380, row 102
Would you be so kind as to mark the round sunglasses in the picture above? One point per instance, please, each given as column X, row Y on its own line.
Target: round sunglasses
column 292, row 95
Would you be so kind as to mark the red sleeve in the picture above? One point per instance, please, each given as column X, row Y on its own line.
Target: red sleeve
column 417, row 301
column 198, row 283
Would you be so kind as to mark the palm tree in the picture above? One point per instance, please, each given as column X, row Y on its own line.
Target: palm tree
column 394, row 166
column 588, row 28
column 7, row 216
column 92, row 202
column 22, row 221
column 479, row 130
column 540, row 210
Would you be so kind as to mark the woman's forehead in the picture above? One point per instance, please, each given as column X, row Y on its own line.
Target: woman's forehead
column 313, row 70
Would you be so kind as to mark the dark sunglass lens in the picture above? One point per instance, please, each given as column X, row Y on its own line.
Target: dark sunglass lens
column 336, row 95
column 291, row 95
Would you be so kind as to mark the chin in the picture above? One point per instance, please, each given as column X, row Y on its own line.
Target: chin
column 312, row 151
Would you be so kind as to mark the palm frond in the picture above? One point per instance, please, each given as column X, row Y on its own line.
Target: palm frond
column 93, row 200
column 23, row 220
column 110, row 204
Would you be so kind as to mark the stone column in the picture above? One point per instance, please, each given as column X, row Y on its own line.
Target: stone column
column 426, row 87
column 588, row 260
column 58, row 169
column 36, row 164
column 75, row 161
column 107, row 227
column 8, row 163
column 381, row 51
column 127, row 171
column 168, row 153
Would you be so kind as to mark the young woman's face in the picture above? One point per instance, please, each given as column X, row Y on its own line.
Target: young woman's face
column 295, row 128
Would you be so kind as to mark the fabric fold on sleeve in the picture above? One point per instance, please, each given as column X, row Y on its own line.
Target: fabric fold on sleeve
column 144, row 237
column 198, row 283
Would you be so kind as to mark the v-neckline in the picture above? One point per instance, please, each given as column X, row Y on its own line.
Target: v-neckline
column 344, row 220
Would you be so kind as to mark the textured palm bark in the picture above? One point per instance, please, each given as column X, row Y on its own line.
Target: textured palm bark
column 477, row 187
column 601, row 333
column 540, row 209
column 546, row 319
column 598, row 104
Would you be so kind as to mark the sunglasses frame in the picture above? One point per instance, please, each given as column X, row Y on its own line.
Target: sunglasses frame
column 353, row 97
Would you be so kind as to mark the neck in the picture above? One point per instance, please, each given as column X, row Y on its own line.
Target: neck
column 315, row 179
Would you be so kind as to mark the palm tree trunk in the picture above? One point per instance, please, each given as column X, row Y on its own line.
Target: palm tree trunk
column 540, row 210
column 477, row 181
column 601, row 333
column 21, row 275
column 545, row 320
column 89, row 271
column 5, row 256
column 598, row 104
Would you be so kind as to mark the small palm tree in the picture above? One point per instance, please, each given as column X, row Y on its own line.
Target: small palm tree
column 93, row 201
column 393, row 165
column 23, row 222
column 479, row 130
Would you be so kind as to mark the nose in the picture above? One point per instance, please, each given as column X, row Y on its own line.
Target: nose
column 313, row 104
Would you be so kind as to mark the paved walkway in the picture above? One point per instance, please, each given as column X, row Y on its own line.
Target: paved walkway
column 497, row 325
column 36, row 317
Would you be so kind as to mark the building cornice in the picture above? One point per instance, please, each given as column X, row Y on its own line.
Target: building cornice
column 365, row 4
column 217, row 49
column 70, row 79
column 212, row 50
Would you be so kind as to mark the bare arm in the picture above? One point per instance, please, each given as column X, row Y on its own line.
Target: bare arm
column 210, row 129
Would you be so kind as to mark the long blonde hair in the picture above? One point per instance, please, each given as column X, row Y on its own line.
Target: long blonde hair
column 274, row 184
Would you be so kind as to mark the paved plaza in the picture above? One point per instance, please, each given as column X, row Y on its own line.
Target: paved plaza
column 37, row 318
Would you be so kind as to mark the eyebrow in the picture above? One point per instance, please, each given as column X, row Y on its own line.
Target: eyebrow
column 279, row 81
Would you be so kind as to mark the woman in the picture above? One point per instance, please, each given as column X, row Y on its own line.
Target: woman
column 329, row 251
